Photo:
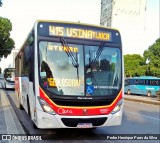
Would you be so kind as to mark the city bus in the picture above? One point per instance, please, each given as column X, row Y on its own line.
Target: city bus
column 9, row 78
column 70, row 75
column 143, row 85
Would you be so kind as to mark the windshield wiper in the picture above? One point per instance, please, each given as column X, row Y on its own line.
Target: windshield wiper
column 98, row 53
column 70, row 54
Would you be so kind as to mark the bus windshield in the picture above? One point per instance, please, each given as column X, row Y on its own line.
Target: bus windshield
column 98, row 72
column 9, row 75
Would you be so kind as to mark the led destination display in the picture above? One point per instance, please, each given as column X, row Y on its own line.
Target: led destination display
column 79, row 33
column 74, row 31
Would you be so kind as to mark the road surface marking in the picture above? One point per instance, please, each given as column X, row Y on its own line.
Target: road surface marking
column 145, row 116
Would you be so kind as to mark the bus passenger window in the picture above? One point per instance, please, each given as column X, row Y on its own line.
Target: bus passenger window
column 141, row 82
column 126, row 82
column 153, row 82
column 136, row 82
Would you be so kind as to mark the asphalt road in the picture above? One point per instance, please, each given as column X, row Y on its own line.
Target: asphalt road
column 138, row 118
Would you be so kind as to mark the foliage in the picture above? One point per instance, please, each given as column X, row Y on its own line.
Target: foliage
column 6, row 43
column 0, row 2
column 135, row 65
column 0, row 70
column 153, row 53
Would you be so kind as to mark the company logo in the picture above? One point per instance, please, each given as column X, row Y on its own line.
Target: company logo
column 103, row 111
column 64, row 111
column 85, row 111
column 84, row 98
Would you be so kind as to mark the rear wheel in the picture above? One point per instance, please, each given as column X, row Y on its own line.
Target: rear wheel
column 19, row 104
column 149, row 93
column 29, row 112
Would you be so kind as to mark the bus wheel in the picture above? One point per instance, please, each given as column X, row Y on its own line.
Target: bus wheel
column 149, row 93
column 19, row 104
column 29, row 112
column 34, row 125
column 128, row 92
column 5, row 86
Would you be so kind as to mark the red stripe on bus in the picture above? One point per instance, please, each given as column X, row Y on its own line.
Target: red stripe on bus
column 17, row 85
column 80, row 111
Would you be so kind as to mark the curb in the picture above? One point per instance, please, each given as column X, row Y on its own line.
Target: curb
column 143, row 101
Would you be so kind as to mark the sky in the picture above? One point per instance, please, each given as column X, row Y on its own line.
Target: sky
column 23, row 13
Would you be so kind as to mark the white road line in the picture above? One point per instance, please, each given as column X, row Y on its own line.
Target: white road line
column 145, row 116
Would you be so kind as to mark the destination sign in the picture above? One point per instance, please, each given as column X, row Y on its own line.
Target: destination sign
column 79, row 33
column 62, row 48
column 63, row 82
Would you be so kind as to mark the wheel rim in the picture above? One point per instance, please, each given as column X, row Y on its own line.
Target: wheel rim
column 128, row 92
column 149, row 93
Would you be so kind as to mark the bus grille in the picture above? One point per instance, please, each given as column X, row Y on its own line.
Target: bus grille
column 72, row 122
column 63, row 102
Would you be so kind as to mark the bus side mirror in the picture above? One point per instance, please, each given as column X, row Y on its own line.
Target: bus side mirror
column 30, row 41
column 31, row 73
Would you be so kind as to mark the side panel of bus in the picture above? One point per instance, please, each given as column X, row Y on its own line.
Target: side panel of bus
column 9, row 78
column 25, row 78
column 142, row 86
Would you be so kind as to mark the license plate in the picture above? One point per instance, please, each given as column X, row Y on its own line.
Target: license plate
column 84, row 125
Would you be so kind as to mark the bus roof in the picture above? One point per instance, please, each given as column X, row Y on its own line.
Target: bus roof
column 77, row 23
column 9, row 69
column 6, row 69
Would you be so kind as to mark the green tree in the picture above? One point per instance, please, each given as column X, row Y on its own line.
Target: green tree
column 153, row 54
column 0, row 70
column 134, row 65
column 0, row 2
column 6, row 43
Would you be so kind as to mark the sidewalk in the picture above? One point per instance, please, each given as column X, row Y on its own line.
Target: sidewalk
column 9, row 123
column 143, row 99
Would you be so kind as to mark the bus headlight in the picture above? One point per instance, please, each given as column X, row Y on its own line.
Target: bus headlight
column 45, row 106
column 117, row 107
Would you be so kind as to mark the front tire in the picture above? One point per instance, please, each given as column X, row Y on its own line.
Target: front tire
column 34, row 125
column 29, row 113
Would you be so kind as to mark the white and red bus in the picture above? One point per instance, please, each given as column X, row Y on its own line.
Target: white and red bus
column 9, row 78
column 70, row 75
